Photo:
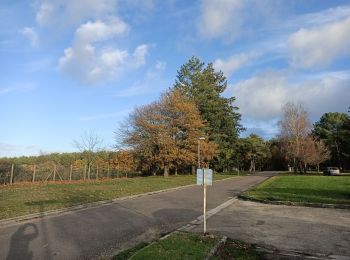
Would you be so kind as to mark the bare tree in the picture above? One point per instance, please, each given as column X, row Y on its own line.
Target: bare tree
column 321, row 154
column 295, row 127
column 88, row 144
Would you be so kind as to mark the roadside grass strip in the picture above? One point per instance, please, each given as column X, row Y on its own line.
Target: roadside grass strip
column 304, row 189
column 22, row 199
column 180, row 245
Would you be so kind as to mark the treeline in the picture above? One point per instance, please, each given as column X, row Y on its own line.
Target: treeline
column 193, row 124
column 68, row 166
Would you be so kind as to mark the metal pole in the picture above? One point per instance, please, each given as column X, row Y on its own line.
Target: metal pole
column 204, row 188
column 199, row 156
column 204, row 205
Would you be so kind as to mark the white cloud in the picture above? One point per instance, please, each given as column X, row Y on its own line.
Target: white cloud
column 323, row 17
column 261, row 97
column 320, row 46
column 100, row 31
column 221, row 18
column 234, row 62
column 31, row 34
column 62, row 13
column 91, row 60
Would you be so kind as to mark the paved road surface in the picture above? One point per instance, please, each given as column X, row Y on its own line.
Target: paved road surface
column 289, row 229
column 90, row 232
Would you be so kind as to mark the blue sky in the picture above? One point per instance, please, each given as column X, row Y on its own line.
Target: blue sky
column 70, row 66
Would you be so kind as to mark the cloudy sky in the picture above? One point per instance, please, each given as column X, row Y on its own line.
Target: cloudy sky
column 69, row 66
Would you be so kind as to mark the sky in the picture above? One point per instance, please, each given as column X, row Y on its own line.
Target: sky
column 72, row 66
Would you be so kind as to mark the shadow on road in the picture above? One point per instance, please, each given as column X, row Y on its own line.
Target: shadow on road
column 20, row 240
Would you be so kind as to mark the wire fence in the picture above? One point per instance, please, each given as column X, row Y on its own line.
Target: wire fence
column 50, row 172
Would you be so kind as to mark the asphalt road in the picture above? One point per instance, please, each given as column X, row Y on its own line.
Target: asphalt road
column 93, row 232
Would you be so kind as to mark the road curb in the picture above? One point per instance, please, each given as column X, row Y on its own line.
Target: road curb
column 216, row 247
column 55, row 212
column 290, row 203
column 199, row 220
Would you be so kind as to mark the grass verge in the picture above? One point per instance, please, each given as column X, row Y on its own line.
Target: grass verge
column 304, row 189
column 129, row 252
column 191, row 246
column 178, row 246
column 22, row 199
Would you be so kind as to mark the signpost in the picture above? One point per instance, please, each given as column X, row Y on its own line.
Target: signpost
column 204, row 177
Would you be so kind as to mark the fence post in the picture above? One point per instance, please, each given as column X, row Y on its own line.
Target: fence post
column 70, row 173
column 34, row 169
column 11, row 177
column 54, row 172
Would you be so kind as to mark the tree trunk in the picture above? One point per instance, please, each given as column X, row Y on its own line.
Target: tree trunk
column 338, row 155
column 251, row 165
column 166, row 171
column 89, row 171
column 193, row 170
column 175, row 171
column 318, row 168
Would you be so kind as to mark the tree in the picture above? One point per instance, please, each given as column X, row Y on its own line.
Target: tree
column 334, row 130
column 164, row 134
column 205, row 86
column 295, row 127
column 123, row 161
column 88, row 144
column 277, row 160
column 313, row 152
column 255, row 151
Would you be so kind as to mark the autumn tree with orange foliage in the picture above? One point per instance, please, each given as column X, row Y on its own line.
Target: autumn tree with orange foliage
column 123, row 161
column 164, row 134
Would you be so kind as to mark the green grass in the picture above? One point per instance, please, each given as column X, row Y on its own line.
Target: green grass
column 190, row 246
column 234, row 249
column 22, row 199
column 178, row 246
column 129, row 252
column 310, row 189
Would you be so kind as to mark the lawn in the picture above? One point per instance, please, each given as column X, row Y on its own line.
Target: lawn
column 178, row 246
column 22, row 199
column 310, row 189
column 190, row 246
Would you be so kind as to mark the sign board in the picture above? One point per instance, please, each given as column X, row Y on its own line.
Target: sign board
column 208, row 175
column 199, row 176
